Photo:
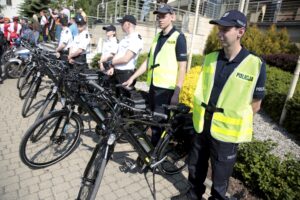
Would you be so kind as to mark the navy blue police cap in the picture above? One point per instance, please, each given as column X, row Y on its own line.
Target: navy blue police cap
column 128, row 18
column 109, row 28
column 232, row 18
column 164, row 9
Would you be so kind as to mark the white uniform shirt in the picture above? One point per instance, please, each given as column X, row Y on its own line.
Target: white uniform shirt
column 81, row 41
column 66, row 38
column 110, row 46
column 11, row 28
column 43, row 21
column 134, row 43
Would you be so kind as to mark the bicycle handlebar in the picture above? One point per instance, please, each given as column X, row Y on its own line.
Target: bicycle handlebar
column 124, row 87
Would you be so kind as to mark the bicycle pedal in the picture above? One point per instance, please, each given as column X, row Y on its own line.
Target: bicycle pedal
column 128, row 166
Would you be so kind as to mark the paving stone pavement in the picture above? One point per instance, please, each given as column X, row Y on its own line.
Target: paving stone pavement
column 62, row 180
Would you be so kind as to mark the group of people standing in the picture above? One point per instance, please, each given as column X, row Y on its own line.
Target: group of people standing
column 229, row 90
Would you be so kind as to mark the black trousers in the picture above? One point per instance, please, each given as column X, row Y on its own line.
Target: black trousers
column 222, row 156
column 158, row 97
column 119, row 77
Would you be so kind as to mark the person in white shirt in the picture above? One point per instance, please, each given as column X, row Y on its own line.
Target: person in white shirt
column 109, row 47
column 80, row 44
column 66, row 38
column 129, row 49
column 15, row 28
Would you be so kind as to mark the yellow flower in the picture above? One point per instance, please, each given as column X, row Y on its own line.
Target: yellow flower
column 189, row 85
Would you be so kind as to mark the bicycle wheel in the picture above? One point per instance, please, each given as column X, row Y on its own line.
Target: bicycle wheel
column 50, row 139
column 94, row 171
column 25, row 83
column 23, row 73
column 48, row 105
column 175, row 154
column 13, row 69
column 30, row 97
column 6, row 56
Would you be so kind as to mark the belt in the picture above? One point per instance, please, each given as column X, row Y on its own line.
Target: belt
column 124, row 71
column 210, row 110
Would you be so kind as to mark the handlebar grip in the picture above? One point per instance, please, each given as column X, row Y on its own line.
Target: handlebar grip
column 124, row 87
column 160, row 115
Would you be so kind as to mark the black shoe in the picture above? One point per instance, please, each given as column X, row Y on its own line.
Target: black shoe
column 1, row 81
column 183, row 196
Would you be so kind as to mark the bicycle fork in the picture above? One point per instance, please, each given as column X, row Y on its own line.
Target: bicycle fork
column 108, row 151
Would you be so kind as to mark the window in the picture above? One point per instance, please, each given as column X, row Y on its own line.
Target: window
column 8, row 2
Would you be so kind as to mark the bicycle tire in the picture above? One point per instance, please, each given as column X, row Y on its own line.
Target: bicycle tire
column 48, row 105
column 94, row 171
column 25, row 84
column 12, row 69
column 31, row 150
column 176, row 158
column 9, row 53
column 31, row 95
column 23, row 73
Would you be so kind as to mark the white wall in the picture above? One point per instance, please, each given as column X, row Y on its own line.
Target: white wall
column 10, row 11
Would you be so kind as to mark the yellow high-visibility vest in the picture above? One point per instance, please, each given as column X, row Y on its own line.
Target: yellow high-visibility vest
column 163, row 70
column 235, row 123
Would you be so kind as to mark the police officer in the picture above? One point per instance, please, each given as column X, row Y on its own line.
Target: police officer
column 229, row 92
column 166, row 65
column 128, row 51
column 110, row 46
column 80, row 44
column 66, row 38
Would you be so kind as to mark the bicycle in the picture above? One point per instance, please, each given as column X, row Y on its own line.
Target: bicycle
column 162, row 156
column 52, row 129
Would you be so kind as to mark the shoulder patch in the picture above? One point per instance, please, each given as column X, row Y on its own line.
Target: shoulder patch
column 139, row 36
column 86, row 35
column 67, row 31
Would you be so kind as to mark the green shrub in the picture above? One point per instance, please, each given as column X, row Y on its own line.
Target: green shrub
column 262, row 43
column 265, row 173
column 96, row 58
column 277, row 86
column 197, row 60
column 212, row 42
column 189, row 85
column 140, row 60
column 286, row 62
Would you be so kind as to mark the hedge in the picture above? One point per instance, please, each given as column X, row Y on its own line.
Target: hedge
column 277, row 86
column 262, row 43
column 286, row 62
column 267, row 175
